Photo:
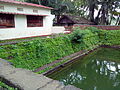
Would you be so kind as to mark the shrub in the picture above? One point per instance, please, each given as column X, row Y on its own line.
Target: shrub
column 3, row 86
column 76, row 37
column 38, row 52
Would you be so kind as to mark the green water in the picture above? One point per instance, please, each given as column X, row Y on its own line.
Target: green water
column 100, row 70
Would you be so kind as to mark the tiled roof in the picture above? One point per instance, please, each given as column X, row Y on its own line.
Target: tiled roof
column 78, row 19
column 21, row 13
column 25, row 3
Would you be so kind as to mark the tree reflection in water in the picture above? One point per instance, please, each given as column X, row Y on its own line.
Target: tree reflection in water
column 93, row 72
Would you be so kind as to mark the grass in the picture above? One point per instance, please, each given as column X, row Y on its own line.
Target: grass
column 3, row 86
column 38, row 52
column 23, row 39
column 32, row 38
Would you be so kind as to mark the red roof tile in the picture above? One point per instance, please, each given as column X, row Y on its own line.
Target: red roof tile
column 25, row 3
column 21, row 13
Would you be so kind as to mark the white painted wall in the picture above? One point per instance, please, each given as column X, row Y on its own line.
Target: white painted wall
column 58, row 29
column 12, row 8
column 21, row 29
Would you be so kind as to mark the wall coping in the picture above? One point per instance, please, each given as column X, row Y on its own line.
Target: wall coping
column 27, row 80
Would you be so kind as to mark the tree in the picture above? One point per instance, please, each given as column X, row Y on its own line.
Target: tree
column 104, row 8
column 101, row 12
column 60, row 7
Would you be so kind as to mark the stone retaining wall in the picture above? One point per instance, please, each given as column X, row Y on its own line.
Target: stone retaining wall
column 103, row 27
column 27, row 80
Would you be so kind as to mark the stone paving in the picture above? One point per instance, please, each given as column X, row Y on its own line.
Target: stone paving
column 27, row 80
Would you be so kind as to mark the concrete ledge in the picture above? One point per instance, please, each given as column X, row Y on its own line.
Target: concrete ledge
column 71, row 59
column 27, row 80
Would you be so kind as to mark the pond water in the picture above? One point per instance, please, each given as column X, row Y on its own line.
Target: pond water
column 100, row 70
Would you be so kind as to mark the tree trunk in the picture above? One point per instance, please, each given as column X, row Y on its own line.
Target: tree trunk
column 119, row 23
column 58, row 17
column 118, row 20
column 104, row 14
column 91, row 10
column 97, row 18
column 111, row 18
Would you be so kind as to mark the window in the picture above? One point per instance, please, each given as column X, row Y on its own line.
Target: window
column 35, row 21
column 20, row 9
column 6, row 21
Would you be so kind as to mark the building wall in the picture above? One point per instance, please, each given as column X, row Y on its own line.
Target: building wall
column 21, row 30
column 12, row 8
column 58, row 29
column 102, row 27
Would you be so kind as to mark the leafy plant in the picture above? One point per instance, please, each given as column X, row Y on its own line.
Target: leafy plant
column 3, row 86
column 76, row 36
column 38, row 52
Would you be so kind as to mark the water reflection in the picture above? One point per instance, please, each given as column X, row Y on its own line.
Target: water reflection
column 106, row 72
column 92, row 73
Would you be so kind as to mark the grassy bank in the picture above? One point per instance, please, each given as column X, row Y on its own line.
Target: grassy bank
column 3, row 86
column 36, row 53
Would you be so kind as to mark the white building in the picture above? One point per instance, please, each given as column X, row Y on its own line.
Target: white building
column 20, row 20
